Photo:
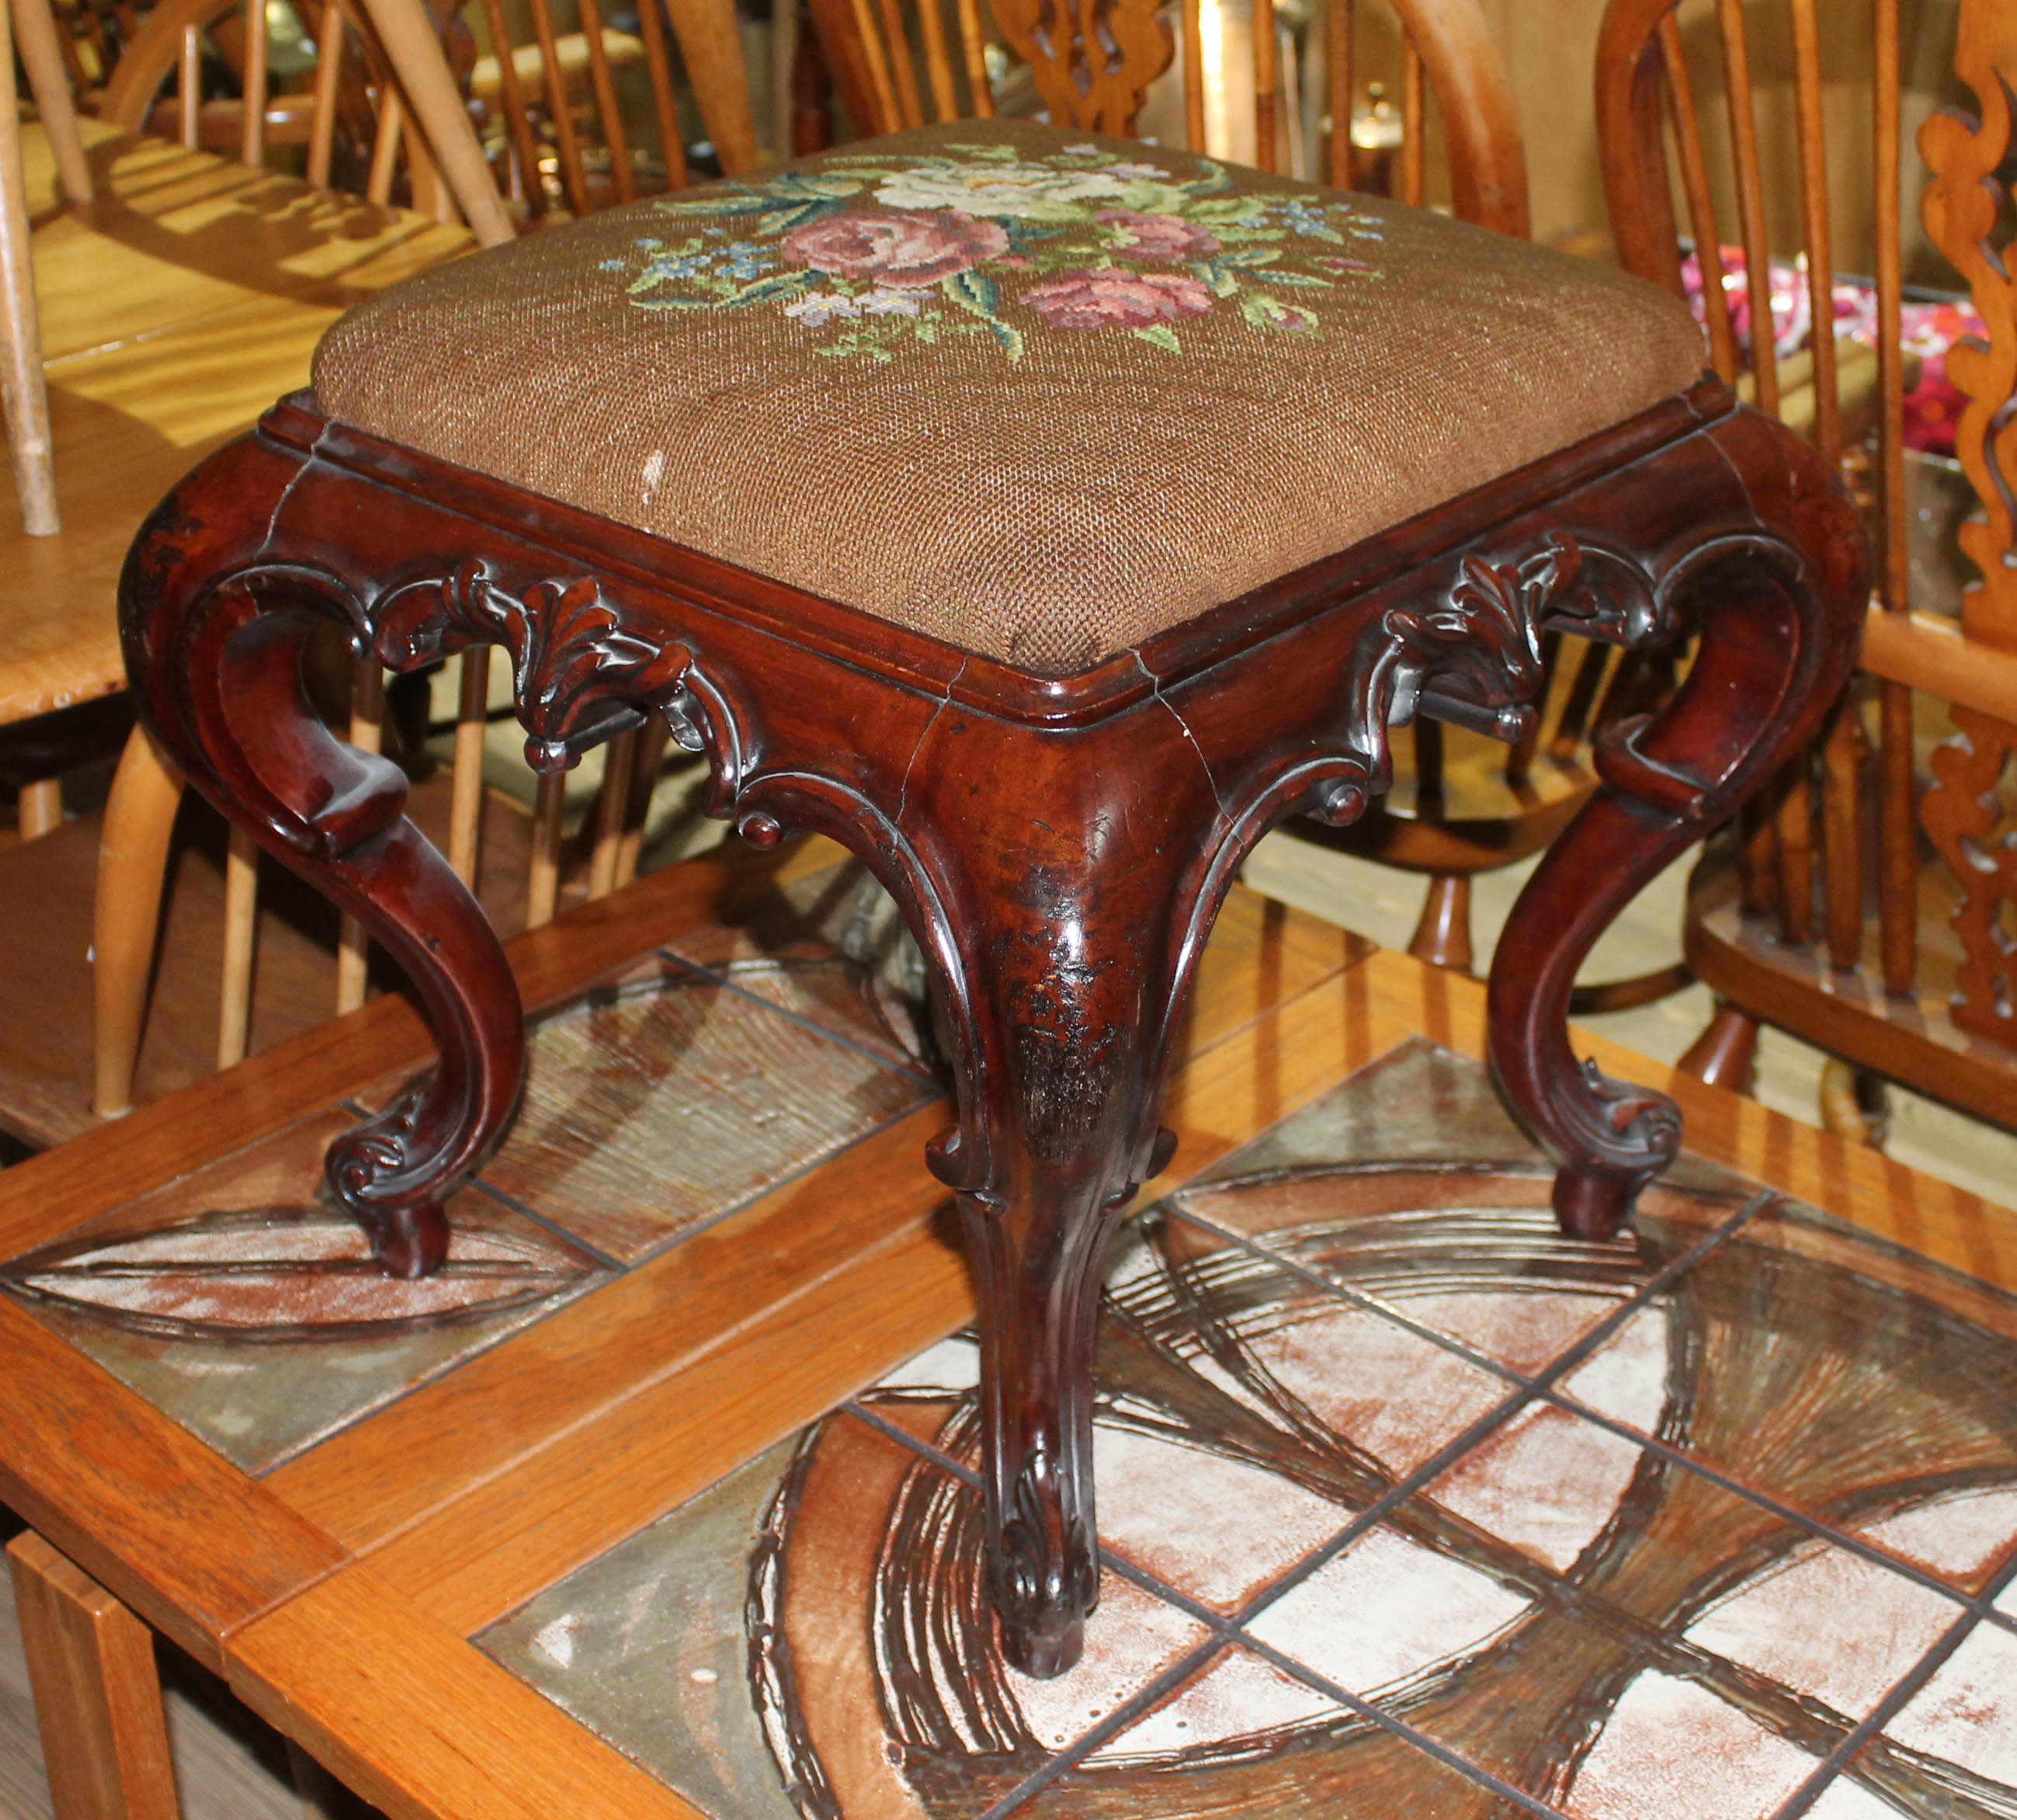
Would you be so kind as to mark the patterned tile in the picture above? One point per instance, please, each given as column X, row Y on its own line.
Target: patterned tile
column 1239, row 1736
column 236, row 1304
column 665, row 1098
column 1951, row 1754
column 1554, row 1605
column 830, row 948
column 1833, row 1371
column 1410, row 1186
column 813, row 1631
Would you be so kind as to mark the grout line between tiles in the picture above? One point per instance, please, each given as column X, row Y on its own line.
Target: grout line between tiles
column 1400, row 1728
column 723, row 980
column 1115, row 1722
column 1907, row 1689
column 1567, row 1359
column 1785, row 1512
column 532, row 1213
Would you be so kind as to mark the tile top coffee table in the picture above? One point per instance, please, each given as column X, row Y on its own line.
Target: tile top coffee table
column 662, row 1503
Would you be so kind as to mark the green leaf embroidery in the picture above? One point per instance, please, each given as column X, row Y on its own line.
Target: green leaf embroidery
column 1217, row 277
column 1011, row 339
column 1299, row 281
column 974, row 292
column 1163, row 335
column 674, row 303
column 779, row 284
column 781, row 221
column 1252, row 256
column 1264, row 311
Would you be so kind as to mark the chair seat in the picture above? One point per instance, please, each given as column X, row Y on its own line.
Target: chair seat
column 1037, row 394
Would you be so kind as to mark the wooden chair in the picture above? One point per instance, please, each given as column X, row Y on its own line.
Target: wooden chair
column 1461, row 803
column 139, row 816
column 29, row 27
column 552, row 114
column 1868, row 908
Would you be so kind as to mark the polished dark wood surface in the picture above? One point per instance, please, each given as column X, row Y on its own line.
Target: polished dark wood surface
column 1058, row 846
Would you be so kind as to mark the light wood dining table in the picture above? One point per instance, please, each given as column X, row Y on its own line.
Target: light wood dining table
column 175, row 308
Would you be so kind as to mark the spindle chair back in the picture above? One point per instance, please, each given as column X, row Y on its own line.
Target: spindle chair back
column 903, row 63
column 1870, row 908
column 553, row 112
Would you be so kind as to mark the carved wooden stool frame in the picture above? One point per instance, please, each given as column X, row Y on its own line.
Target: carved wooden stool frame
column 1059, row 846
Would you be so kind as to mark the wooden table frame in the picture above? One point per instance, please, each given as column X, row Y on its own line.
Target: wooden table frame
column 337, row 1595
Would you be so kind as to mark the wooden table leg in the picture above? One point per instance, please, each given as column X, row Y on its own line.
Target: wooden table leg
column 97, row 1697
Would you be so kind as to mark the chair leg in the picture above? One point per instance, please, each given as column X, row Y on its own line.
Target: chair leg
column 126, row 915
column 40, row 808
column 98, row 1696
column 41, row 57
column 1443, row 937
column 1855, row 1104
column 26, row 393
column 1726, row 1054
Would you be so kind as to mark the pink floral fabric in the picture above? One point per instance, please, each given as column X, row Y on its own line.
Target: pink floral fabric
column 1927, row 329
column 871, row 253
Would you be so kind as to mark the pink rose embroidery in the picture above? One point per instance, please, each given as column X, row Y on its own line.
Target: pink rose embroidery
column 1159, row 237
column 1117, row 299
column 903, row 252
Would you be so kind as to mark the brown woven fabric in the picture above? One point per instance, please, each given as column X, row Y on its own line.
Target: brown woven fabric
column 1037, row 394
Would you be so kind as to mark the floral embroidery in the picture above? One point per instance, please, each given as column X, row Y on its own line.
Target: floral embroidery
column 981, row 241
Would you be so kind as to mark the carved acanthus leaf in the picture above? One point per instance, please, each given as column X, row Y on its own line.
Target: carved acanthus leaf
column 579, row 674
column 1474, row 656
column 1040, row 1569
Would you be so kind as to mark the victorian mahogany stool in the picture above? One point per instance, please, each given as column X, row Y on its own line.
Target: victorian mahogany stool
column 1041, row 517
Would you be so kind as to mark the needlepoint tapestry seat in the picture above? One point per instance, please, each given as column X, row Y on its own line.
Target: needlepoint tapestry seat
column 1038, row 394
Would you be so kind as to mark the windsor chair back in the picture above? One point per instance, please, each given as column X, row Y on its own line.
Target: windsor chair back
column 422, row 124
column 552, row 110
column 1867, row 906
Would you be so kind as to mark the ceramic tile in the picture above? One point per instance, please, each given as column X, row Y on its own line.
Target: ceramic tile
column 811, row 1634
column 1844, row 1377
column 664, row 1099
column 1951, row 1754
column 1609, row 1630
column 830, row 947
column 239, row 1305
column 1387, row 1186
column 1244, row 1415
column 1238, row 1737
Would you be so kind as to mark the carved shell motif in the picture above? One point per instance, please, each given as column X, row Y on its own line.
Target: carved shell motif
column 579, row 674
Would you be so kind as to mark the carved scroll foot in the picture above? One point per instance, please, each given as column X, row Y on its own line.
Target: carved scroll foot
column 214, row 648
column 1777, row 618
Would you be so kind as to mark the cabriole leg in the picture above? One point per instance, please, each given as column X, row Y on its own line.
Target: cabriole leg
column 1775, row 652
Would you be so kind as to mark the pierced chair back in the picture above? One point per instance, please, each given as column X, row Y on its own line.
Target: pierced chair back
column 1866, row 905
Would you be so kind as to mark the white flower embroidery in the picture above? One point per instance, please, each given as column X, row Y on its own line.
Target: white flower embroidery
column 1020, row 191
column 890, row 303
column 818, row 308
